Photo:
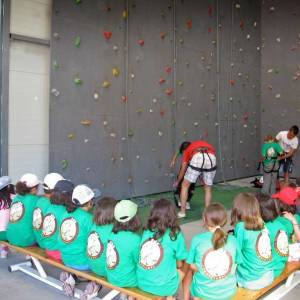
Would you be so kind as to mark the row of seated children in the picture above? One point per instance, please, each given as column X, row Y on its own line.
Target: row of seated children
column 110, row 242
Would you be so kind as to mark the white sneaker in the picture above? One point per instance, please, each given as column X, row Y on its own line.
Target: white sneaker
column 3, row 254
column 181, row 215
column 188, row 206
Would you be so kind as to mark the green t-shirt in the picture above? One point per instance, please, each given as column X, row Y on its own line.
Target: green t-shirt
column 157, row 270
column 122, row 255
column 37, row 219
column 51, row 225
column 96, row 247
column 288, row 226
column 254, row 254
column 72, row 238
column 270, row 151
column 215, row 278
column 19, row 229
column 280, row 245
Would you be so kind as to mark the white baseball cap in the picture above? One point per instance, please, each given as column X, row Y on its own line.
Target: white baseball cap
column 4, row 182
column 82, row 194
column 30, row 180
column 50, row 181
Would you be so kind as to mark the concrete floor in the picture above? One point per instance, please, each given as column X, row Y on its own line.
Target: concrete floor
column 18, row 286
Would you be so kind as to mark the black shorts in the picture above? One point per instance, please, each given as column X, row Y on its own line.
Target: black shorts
column 286, row 165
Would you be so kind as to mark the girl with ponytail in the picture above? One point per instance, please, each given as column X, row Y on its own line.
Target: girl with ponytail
column 212, row 258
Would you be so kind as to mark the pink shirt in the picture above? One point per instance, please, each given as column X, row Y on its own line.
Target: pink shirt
column 4, row 218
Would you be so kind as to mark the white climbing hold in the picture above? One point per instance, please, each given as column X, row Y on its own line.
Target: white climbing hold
column 277, row 96
column 115, row 48
column 104, row 123
column 270, row 71
column 248, row 36
column 113, row 135
column 160, row 133
column 154, row 100
column 278, row 40
column 96, row 96
column 55, row 92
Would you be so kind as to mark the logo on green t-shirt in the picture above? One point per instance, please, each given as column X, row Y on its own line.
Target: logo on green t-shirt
column 69, row 230
column 95, row 246
column 49, row 225
column 37, row 219
column 263, row 246
column 151, row 254
column 17, row 212
column 112, row 256
column 282, row 243
column 217, row 264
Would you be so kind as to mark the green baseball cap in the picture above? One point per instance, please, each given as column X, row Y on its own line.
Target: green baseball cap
column 125, row 210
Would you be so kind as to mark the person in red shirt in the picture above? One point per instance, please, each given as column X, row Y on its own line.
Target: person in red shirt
column 199, row 160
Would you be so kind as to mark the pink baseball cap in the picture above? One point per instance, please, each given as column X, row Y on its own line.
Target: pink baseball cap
column 287, row 195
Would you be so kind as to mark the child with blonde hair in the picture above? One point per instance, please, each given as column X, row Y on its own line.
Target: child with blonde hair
column 255, row 267
column 212, row 258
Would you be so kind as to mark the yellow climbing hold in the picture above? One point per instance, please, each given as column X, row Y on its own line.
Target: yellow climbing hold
column 105, row 84
column 85, row 122
column 115, row 72
column 124, row 14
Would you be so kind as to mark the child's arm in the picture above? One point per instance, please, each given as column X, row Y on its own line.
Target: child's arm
column 187, row 283
column 173, row 161
column 293, row 219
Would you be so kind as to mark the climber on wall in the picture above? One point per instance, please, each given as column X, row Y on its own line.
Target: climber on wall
column 288, row 141
column 199, row 159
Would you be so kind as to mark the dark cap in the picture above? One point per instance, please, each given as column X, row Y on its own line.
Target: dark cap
column 64, row 186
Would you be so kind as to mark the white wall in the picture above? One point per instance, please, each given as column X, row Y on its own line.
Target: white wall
column 29, row 70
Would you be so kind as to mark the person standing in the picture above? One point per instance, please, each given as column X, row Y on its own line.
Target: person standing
column 288, row 141
column 199, row 160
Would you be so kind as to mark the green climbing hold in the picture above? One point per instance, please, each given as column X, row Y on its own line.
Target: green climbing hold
column 78, row 81
column 130, row 133
column 55, row 65
column 77, row 1
column 77, row 41
column 64, row 164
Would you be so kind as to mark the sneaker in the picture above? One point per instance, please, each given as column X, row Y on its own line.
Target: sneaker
column 91, row 291
column 68, row 283
column 188, row 206
column 181, row 215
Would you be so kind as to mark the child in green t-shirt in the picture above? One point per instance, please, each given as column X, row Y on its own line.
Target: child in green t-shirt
column 99, row 234
column 212, row 258
column 278, row 233
column 162, row 252
column 254, row 250
column 270, row 152
column 73, row 234
column 122, row 250
column 19, row 230
column 41, row 206
column 54, row 216
column 286, row 203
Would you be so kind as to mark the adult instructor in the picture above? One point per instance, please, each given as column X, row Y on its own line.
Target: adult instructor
column 288, row 141
column 199, row 160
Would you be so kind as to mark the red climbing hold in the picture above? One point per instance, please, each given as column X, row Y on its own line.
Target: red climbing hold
column 189, row 24
column 210, row 11
column 107, row 35
column 242, row 24
column 169, row 91
column 168, row 69
column 232, row 82
column 141, row 42
column 161, row 80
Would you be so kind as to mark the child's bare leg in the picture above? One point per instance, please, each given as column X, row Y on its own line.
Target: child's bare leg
column 186, row 284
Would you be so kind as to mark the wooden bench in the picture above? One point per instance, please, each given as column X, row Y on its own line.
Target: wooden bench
column 278, row 289
column 38, row 255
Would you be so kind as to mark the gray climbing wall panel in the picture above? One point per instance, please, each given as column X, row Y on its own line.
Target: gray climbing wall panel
column 280, row 68
column 131, row 80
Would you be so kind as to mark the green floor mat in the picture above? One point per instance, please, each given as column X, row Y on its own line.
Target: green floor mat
column 221, row 193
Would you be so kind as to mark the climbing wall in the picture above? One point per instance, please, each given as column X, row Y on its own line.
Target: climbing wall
column 131, row 80
column 280, row 68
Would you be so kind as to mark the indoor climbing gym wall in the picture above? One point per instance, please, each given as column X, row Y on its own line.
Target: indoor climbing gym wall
column 131, row 80
column 280, row 68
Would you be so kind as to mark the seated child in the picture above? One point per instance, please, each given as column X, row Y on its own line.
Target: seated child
column 5, row 202
column 162, row 252
column 53, row 218
column 122, row 250
column 41, row 206
column 72, row 239
column 270, row 160
column 99, row 234
column 19, row 230
column 254, row 251
column 286, row 201
column 278, row 233
column 212, row 258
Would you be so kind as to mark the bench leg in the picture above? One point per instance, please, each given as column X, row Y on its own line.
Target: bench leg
column 41, row 275
column 292, row 281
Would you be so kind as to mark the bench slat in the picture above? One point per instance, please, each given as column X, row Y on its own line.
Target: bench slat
column 41, row 256
column 242, row 293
